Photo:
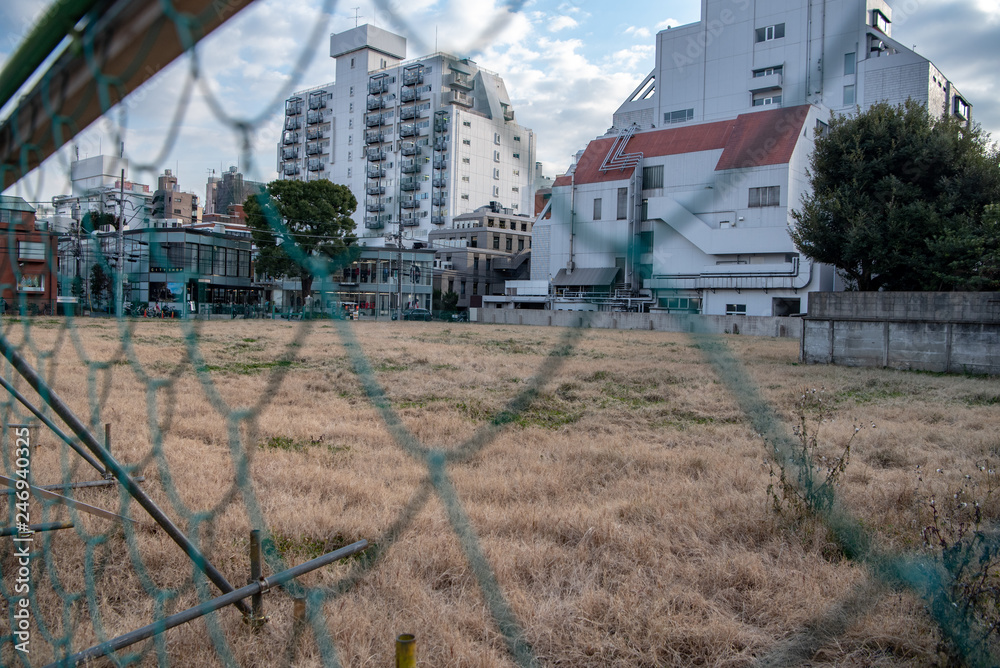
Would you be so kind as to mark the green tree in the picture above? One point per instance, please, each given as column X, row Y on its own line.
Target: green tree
column 302, row 229
column 92, row 220
column 76, row 287
column 449, row 301
column 898, row 200
column 100, row 283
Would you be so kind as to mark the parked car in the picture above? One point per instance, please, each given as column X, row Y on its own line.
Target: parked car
column 417, row 314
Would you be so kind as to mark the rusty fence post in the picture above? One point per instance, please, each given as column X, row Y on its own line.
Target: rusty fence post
column 108, row 475
column 257, row 618
column 406, row 651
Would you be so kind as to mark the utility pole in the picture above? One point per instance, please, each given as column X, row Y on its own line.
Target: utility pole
column 120, row 261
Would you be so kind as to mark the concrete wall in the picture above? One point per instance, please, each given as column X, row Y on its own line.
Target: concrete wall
column 931, row 331
column 706, row 324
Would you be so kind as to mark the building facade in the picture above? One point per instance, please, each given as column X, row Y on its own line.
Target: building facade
column 481, row 251
column 169, row 202
column 97, row 187
column 684, row 205
column 417, row 142
column 28, row 260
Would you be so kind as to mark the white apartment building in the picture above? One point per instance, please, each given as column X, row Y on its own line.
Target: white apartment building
column 417, row 142
column 686, row 201
column 97, row 186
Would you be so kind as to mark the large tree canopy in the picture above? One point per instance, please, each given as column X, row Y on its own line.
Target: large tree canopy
column 301, row 228
column 899, row 201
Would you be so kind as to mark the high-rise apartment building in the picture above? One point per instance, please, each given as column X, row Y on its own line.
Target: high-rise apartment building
column 417, row 142
column 686, row 203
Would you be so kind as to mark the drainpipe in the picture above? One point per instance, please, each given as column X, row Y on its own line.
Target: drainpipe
column 572, row 219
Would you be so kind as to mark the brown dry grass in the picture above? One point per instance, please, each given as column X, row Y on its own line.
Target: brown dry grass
column 623, row 514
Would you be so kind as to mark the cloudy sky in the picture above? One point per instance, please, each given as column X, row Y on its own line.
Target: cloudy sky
column 567, row 66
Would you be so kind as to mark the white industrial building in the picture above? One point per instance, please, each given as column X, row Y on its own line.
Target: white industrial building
column 417, row 142
column 97, row 186
column 685, row 202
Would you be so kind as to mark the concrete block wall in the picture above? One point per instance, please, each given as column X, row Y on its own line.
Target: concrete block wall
column 661, row 322
column 956, row 332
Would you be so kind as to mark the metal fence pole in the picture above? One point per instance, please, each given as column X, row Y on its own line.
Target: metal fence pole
column 66, row 414
column 406, row 651
column 108, row 475
column 260, row 586
column 257, row 618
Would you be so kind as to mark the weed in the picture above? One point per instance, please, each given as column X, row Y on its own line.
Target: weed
column 308, row 547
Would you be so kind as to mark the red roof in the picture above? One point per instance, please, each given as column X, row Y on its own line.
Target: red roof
column 749, row 140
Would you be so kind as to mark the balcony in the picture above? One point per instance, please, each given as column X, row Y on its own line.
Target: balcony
column 374, row 138
column 413, row 76
column 765, row 80
column 286, row 154
column 440, row 144
column 438, row 220
column 411, row 219
column 409, row 148
column 290, row 138
column 409, row 184
column 458, row 97
column 314, row 117
column 293, row 123
column 317, row 101
column 314, row 133
column 293, row 106
column 459, row 80
column 378, row 86
column 440, row 163
column 411, row 166
column 439, row 200
column 406, row 113
column 440, row 126
column 375, row 155
column 376, row 172
column 408, row 130
column 409, row 95
column 313, row 149
column 316, row 166
column 376, row 222
column 290, row 169
column 376, row 103
column 375, row 205
column 375, row 190
column 409, row 203
column 508, row 113
column 440, row 182
column 375, row 120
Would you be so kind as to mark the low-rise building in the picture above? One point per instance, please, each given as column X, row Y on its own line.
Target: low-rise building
column 28, row 260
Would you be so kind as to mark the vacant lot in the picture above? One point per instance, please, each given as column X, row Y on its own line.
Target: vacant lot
column 572, row 498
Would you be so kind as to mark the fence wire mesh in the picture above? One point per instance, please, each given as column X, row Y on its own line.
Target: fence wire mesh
column 101, row 578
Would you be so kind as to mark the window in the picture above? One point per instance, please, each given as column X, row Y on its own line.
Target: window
column 475, row 263
column 467, row 142
column 821, row 128
column 350, row 155
column 465, row 178
column 849, row 95
column 465, row 161
column 597, row 208
column 350, row 108
column 509, row 245
column 622, row 203
column 736, row 309
column 496, row 191
column 517, row 172
column 352, row 63
column 31, row 283
column 768, row 33
column 350, row 123
column 467, row 124
column 681, row 304
column 496, row 174
column 348, row 172
column 767, row 97
column 350, row 140
column 503, row 225
column 517, row 156
column 30, row 250
column 880, row 21
column 475, row 288
column 961, row 108
column 465, row 195
column 849, row 62
column 496, row 137
column 463, row 288
column 496, row 243
column 516, row 138
column 496, row 156
column 524, row 227
column 769, row 196
column 515, row 189
column 520, row 245
column 352, row 91
column 652, row 177
column 474, row 241
column 768, row 71
column 679, row 116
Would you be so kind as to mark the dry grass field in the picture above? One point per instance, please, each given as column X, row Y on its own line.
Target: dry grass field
column 622, row 517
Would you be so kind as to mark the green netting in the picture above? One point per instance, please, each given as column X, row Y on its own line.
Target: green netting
column 62, row 613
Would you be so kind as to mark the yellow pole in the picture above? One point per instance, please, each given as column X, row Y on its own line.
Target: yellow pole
column 406, row 651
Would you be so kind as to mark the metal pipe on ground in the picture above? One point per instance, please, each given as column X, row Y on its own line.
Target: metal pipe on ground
column 36, row 528
column 51, row 425
column 77, row 485
column 260, row 586
column 73, row 422
column 406, row 651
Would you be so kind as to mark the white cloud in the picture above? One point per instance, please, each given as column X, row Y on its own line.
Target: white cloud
column 638, row 32
column 668, row 23
column 562, row 23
